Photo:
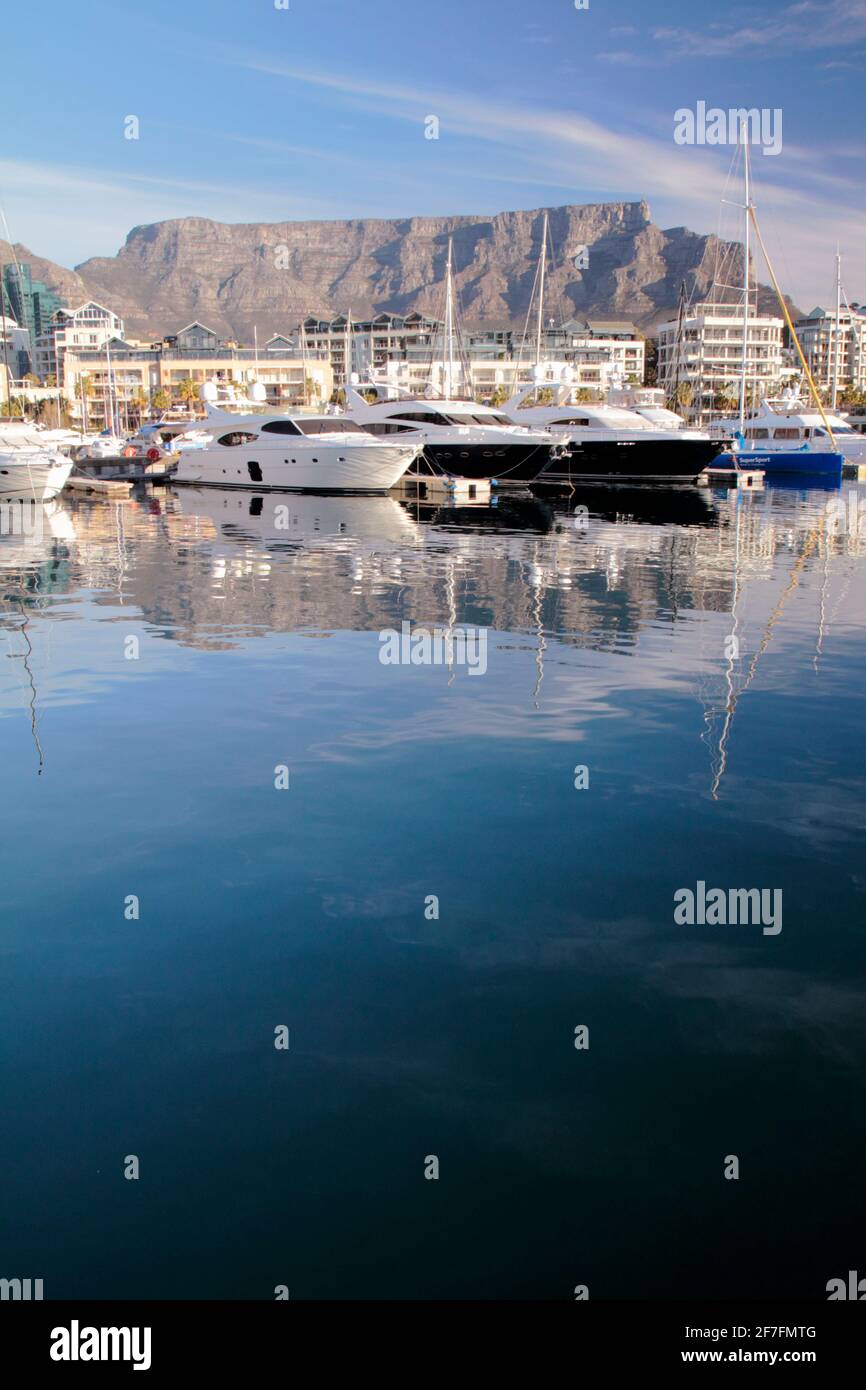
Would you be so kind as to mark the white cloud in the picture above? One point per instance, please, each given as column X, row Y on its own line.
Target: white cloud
column 809, row 24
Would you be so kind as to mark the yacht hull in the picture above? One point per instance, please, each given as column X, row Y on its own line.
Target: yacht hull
column 509, row 463
column 349, row 468
column 784, row 462
column 32, row 477
column 645, row 461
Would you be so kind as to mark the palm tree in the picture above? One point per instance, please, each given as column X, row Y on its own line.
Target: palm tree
column 188, row 392
column 685, row 393
column 84, row 391
column 160, row 399
column 726, row 399
column 500, row 396
column 138, row 401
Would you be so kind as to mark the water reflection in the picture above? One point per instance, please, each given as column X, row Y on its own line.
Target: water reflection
column 609, row 646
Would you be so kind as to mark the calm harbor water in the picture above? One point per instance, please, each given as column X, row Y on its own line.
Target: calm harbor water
column 153, row 775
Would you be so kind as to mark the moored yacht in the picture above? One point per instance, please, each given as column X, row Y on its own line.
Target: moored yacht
column 605, row 441
column 456, row 436
column 788, row 424
column 252, row 447
column 28, row 469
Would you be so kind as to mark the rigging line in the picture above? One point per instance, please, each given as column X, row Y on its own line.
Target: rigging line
column 822, row 618
column 24, row 658
column 730, row 705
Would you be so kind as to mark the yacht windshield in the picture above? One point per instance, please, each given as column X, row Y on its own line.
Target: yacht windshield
column 489, row 419
column 337, row 424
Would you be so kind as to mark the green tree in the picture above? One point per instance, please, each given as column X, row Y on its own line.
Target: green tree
column 188, row 392
column 160, row 398
column 85, row 391
column 685, row 393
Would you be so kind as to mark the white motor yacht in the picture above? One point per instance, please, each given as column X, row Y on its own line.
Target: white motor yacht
column 29, row 469
column 252, row 447
column 457, row 436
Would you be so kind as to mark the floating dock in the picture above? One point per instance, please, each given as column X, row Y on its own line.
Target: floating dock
column 102, row 486
column 735, row 477
column 438, row 487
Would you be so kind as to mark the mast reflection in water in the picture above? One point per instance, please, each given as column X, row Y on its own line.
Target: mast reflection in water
column 146, row 769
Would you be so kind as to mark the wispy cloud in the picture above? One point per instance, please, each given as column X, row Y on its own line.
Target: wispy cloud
column 809, row 24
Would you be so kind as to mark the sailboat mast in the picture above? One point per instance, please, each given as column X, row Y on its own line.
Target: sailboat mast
column 746, row 252
column 836, row 336
column 449, row 322
column 541, row 274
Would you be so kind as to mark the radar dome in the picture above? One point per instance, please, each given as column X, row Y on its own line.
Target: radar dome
column 258, row 392
column 208, row 391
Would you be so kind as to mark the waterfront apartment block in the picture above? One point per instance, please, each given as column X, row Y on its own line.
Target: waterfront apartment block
column 824, row 339
column 702, row 358
column 139, row 370
column 88, row 326
column 410, row 346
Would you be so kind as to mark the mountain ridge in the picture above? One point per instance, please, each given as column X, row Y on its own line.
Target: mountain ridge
column 241, row 277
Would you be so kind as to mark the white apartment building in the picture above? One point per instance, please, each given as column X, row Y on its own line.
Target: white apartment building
column 409, row 346
column 487, row 377
column 706, row 356
column 822, row 339
column 90, row 326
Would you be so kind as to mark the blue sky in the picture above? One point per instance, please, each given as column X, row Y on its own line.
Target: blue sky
column 251, row 113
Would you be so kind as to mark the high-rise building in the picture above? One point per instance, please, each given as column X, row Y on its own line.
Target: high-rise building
column 823, row 341
column 29, row 302
column 702, row 358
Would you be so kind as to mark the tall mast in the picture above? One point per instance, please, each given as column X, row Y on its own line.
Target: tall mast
column 449, row 322
column 746, row 248
column 541, row 273
column 837, row 334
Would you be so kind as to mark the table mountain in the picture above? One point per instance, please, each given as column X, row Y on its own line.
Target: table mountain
column 235, row 276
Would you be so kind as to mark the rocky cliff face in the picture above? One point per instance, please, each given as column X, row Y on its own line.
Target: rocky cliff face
column 235, row 276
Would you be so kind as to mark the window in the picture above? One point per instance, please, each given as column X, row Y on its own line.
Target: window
column 571, row 420
column 387, row 427
column 231, row 441
column 280, row 427
column 786, row 433
column 338, row 424
column 426, row 417
column 757, row 434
